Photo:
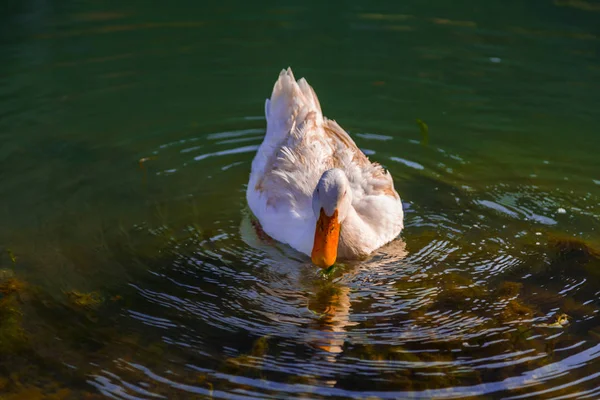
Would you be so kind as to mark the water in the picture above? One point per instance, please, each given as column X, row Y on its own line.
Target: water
column 130, row 267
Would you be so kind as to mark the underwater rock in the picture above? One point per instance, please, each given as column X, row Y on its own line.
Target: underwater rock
column 89, row 300
column 516, row 310
column 572, row 250
column 458, row 292
column 6, row 273
column 508, row 289
column 260, row 347
column 247, row 363
column 12, row 335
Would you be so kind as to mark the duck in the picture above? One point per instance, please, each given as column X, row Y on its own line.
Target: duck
column 312, row 188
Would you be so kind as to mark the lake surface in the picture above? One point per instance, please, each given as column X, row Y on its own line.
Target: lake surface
column 129, row 267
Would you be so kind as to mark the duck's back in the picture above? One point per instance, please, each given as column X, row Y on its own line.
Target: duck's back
column 299, row 146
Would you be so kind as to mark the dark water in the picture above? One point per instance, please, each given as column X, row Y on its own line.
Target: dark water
column 129, row 266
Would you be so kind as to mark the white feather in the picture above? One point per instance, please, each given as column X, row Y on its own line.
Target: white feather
column 299, row 146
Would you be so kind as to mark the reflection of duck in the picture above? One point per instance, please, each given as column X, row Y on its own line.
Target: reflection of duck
column 331, row 304
column 312, row 188
column 328, row 300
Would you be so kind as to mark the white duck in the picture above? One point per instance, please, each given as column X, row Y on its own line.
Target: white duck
column 312, row 188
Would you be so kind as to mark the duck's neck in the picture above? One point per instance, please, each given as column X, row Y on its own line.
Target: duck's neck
column 356, row 236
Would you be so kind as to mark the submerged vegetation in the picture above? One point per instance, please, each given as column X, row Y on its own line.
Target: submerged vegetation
column 69, row 329
column 178, row 304
column 84, row 300
column 190, row 302
column 424, row 129
column 12, row 335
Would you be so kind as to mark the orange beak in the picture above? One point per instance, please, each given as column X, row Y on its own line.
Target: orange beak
column 327, row 235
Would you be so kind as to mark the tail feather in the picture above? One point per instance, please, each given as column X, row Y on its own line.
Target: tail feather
column 309, row 95
column 290, row 105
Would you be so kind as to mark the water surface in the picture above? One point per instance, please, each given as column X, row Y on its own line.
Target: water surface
column 130, row 267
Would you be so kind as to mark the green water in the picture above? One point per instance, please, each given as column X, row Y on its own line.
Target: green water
column 130, row 269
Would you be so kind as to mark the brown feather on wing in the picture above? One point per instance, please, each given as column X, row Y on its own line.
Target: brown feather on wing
column 337, row 133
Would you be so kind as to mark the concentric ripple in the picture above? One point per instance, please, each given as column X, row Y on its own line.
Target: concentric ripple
column 464, row 304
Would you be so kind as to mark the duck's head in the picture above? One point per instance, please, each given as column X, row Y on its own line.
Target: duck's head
column 332, row 200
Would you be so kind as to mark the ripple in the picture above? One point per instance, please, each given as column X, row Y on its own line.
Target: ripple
column 453, row 308
column 408, row 163
column 374, row 136
column 497, row 207
column 232, row 134
column 244, row 149
column 261, row 387
column 524, row 204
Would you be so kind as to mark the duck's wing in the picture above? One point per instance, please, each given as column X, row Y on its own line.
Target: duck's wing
column 366, row 178
column 289, row 107
column 292, row 109
column 290, row 160
column 301, row 144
